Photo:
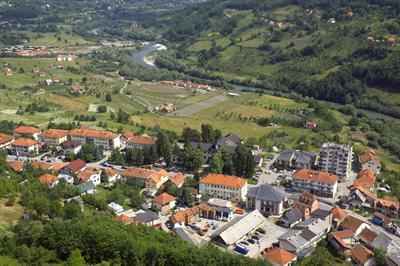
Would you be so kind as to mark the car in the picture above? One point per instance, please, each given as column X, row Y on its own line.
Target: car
column 244, row 243
column 200, row 232
column 260, row 230
column 250, row 240
column 344, row 206
column 48, row 161
column 256, row 237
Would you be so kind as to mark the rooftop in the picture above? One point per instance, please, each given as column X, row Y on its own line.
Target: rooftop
column 54, row 133
column 47, row 179
column 224, row 180
column 144, row 140
column 93, row 133
column 369, row 156
column 26, row 130
column 22, row 142
column 5, row 138
column 76, row 165
column 266, row 192
column 315, row 176
column 279, row 256
column 163, row 199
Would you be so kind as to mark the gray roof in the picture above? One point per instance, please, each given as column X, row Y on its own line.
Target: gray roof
column 234, row 230
column 230, row 140
column 294, row 238
column 286, row 155
column 71, row 144
column 146, row 216
column 292, row 215
column 393, row 249
column 315, row 225
column 203, row 146
column 303, row 157
column 84, row 187
column 320, row 213
column 266, row 192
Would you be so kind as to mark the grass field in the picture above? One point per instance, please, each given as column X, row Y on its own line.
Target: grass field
column 10, row 214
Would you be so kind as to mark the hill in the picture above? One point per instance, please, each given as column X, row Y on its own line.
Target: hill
column 330, row 50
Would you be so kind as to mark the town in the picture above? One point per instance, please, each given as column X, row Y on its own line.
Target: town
column 292, row 200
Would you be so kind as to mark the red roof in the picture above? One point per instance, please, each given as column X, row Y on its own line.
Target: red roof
column 76, row 165
column 144, row 140
column 369, row 156
column 224, row 180
column 177, row 179
column 93, row 133
column 54, row 133
column 338, row 214
column 279, row 256
column 26, row 130
column 22, row 142
column 163, row 199
column 366, row 179
column 315, row 176
column 47, row 179
column 340, row 236
column 361, row 254
column 86, row 174
column 5, row 138
column 16, row 166
column 351, row 223
column 125, row 219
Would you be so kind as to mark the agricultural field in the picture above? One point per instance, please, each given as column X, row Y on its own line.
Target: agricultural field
column 10, row 214
column 66, row 103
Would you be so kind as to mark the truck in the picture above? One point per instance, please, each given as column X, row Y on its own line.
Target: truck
column 241, row 249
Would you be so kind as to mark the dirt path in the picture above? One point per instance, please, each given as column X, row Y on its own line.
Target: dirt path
column 198, row 107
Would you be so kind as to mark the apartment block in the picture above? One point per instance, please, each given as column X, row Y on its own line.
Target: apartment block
column 105, row 139
column 335, row 159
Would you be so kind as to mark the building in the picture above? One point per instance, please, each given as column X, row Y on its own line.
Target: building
column 392, row 247
column 73, row 167
column 177, row 179
column 367, row 236
column 8, row 71
column 148, row 218
column 145, row 177
column 206, row 148
column 303, row 241
column 53, row 137
column 310, row 124
column 48, row 179
column 369, row 160
column 184, row 216
column 125, row 219
column 236, row 229
column 86, row 188
column 71, row 146
column 112, row 175
column 338, row 216
column 224, row 187
column 266, row 198
column 140, row 142
column 16, row 166
column 26, row 132
column 5, row 141
column 295, row 159
column 366, row 179
column 228, row 142
column 354, row 224
column 316, row 182
column 115, row 207
column 336, row 159
column 164, row 202
column 363, row 256
column 89, row 175
column 343, row 241
column 306, row 204
column 291, row 217
column 24, row 147
column 280, row 257
column 105, row 139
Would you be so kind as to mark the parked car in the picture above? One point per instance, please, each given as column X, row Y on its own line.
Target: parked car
column 244, row 243
column 250, row 240
column 200, row 232
column 260, row 230
column 256, row 237
column 241, row 249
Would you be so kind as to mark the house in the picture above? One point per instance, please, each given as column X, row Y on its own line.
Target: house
column 335, row 159
column 320, row 183
column 310, row 124
column 306, row 204
column 76, row 89
column 126, row 136
column 68, row 178
column 78, row 200
column 145, row 177
column 55, row 80
column 302, row 241
column 164, row 202
column 148, row 218
column 184, row 216
column 16, row 166
column 220, row 213
column 206, row 148
column 71, row 146
column 228, row 142
column 354, row 224
column 323, row 212
column 280, row 257
column 35, row 70
column 363, row 256
column 48, row 179
column 224, row 187
column 367, row 236
column 125, row 219
column 366, row 179
column 266, row 198
column 338, row 216
column 26, row 132
column 66, row 57
column 105, row 139
column 236, row 229
column 291, row 217
column 24, row 147
column 115, row 207
column 343, row 241
column 5, row 141
column 89, row 175
column 369, row 160
column 74, row 167
column 140, row 142
column 112, row 175
column 166, row 108
column 177, row 179
column 295, row 159
column 86, row 188
column 53, row 137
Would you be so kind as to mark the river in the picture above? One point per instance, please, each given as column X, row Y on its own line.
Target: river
column 141, row 57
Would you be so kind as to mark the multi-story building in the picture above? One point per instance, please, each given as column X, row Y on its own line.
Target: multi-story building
column 53, row 137
column 266, row 198
column 336, row 159
column 105, row 139
column 24, row 147
column 316, row 182
column 140, row 142
column 26, row 132
column 231, row 188
column 295, row 159
column 5, row 140
column 145, row 177
column 369, row 160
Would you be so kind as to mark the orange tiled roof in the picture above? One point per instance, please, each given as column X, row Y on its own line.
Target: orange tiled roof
column 5, row 138
column 163, row 199
column 361, row 254
column 48, row 179
column 180, row 216
column 388, row 203
column 382, row 202
column 41, row 165
column 16, row 166
column 138, row 172
column 23, row 142
column 54, row 133
column 177, row 179
column 368, row 156
column 144, row 140
column 224, row 180
column 339, row 236
column 76, row 165
column 158, row 175
column 351, row 223
column 279, row 256
column 367, row 235
column 93, row 133
column 86, row 174
column 338, row 214
column 315, row 176
column 57, row 167
column 26, row 130
column 125, row 219
column 111, row 172
column 366, row 179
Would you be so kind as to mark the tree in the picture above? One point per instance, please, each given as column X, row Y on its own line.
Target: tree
column 75, row 259
column 381, row 257
column 217, row 163
column 193, row 159
column 72, row 210
column 164, row 147
column 244, row 162
column 189, row 134
column 116, row 157
column 102, row 109
column 108, row 97
column 208, row 134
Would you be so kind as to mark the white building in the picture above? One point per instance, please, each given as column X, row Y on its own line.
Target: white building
column 223, row 187
column 336, row 159
column 5, row 141
column 369, row 160
column 26, row 132
column 90, row 175
column 24, row 147
column 53, row 137
column 315, row 182
column 106, row 139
